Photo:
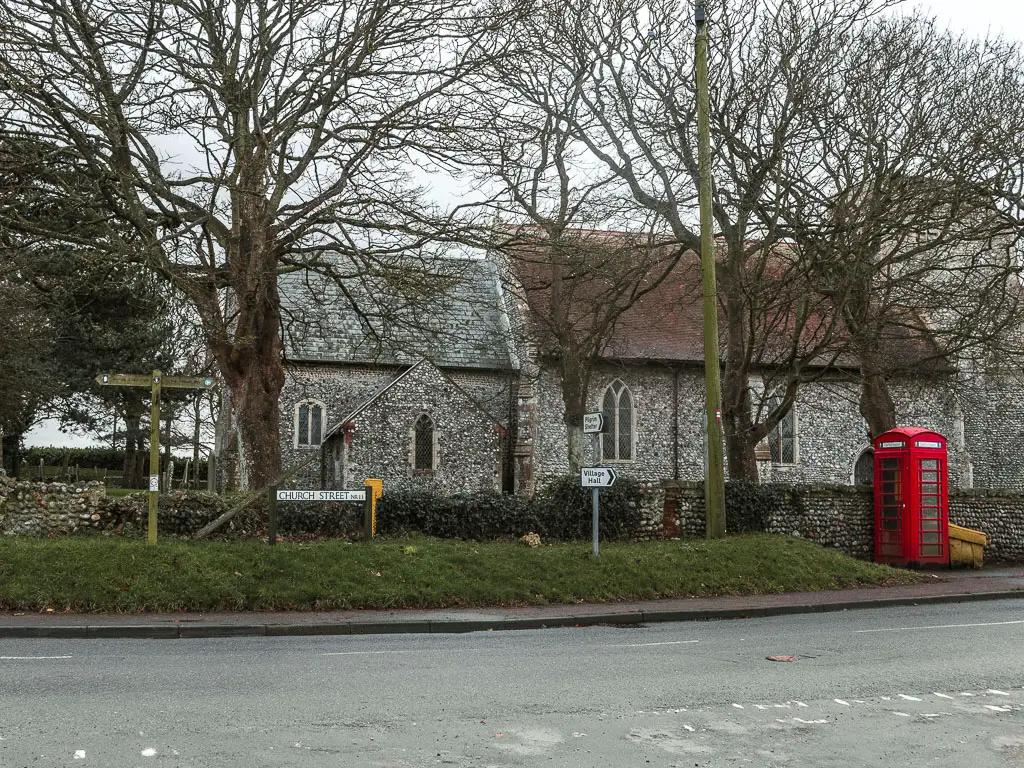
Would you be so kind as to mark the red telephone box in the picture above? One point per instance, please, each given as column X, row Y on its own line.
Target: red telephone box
column 911, row 498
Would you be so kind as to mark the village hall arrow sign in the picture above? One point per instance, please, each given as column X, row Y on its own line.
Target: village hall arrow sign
column 597, row 477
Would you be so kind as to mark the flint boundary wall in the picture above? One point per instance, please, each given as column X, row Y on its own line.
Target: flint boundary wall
column 836, row 516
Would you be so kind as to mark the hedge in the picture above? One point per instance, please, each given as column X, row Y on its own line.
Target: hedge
column 93, row 458
column 560, row 511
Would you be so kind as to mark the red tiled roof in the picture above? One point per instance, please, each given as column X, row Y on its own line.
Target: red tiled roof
column 667, row 324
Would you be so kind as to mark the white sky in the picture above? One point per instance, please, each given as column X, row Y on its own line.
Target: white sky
column 975, row 17
column 978, row 17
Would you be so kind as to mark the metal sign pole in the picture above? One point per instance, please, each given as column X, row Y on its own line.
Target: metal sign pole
column 597, row 460
column 154, row 457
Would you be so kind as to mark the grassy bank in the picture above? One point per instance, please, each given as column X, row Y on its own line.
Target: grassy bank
column 110, row 574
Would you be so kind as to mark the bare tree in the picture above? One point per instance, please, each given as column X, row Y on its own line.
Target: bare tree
column 906, row 217
column 547, row 215
column 631, row 64
column 235, row 140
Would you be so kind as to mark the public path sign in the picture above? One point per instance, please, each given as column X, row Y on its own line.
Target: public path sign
column 155, row 382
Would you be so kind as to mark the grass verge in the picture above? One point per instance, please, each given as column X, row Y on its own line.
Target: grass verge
column 110, row 574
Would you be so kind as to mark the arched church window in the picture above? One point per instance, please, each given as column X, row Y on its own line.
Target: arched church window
column 864, row 469
column 617, row 406
column 310, row 416
column 423, row 444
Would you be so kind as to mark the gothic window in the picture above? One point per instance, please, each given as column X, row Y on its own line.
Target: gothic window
column 423, row 444
column 617, row 440
column 310, row 416
column 782, row 439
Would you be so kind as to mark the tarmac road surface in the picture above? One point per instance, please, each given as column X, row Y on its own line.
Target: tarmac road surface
column 937, row 685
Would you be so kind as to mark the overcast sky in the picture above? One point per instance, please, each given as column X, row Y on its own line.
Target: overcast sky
column 976, row 17
column 979, row 17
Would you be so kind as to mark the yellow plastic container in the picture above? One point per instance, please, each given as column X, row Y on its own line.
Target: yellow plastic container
column 966, row 547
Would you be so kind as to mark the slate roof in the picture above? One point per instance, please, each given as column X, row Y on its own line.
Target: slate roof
column 446, row 310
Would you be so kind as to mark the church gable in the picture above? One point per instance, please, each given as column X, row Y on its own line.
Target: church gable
column 421, row 431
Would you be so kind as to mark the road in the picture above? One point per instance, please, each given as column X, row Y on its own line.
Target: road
column 930, row 685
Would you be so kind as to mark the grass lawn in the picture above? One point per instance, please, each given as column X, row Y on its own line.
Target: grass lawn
column 112, row 574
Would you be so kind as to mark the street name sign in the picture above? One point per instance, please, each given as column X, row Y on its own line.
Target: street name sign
column 295, row 495
column 597, row 477
column 593, row 423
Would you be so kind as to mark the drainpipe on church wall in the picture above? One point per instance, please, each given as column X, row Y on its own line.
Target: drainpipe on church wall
column 675, row 424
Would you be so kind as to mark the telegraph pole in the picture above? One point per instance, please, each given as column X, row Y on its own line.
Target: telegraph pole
column 714, row 474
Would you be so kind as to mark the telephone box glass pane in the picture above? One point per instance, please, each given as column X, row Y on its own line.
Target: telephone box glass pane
column 930, row 538
column 929, row 525
column 929, row 477
column 929, row 463
column 931, row 549
column 929, row 488
column 890, row 463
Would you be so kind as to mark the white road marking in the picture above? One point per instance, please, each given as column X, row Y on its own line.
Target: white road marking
column 998, row 709
column 908, row 698
column 357, row 653
column 760, row 706
column 689, row 728
column 943, row 695
column 31, row 658
column 901, row 714
column 840, row 701
column 738, row 706
column 809, row 722
column 859, row 701
column 997, row 693
column 965, row 693
column 782, row 706
column 79, row 754
column 148, row 752
column 935, row 714
column 645, row 645
column 800, row 704
column 939, row 626
column 887, row 698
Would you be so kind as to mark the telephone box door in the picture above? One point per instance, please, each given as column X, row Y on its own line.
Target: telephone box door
column 932, row 534
column 890, row 487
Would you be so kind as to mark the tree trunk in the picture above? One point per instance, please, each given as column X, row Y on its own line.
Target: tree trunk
column 12, row 454
column 134, row 452
column 575, row 381
column 739, row 448
column 736, row 421
column 257, row 401
column 876, row 405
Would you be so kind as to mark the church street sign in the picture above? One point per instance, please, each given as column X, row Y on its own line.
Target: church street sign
column 597, row 477
column 292, row 495
column 593, row 423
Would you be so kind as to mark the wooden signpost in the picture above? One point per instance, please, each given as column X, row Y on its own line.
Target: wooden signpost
column 155, row 382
